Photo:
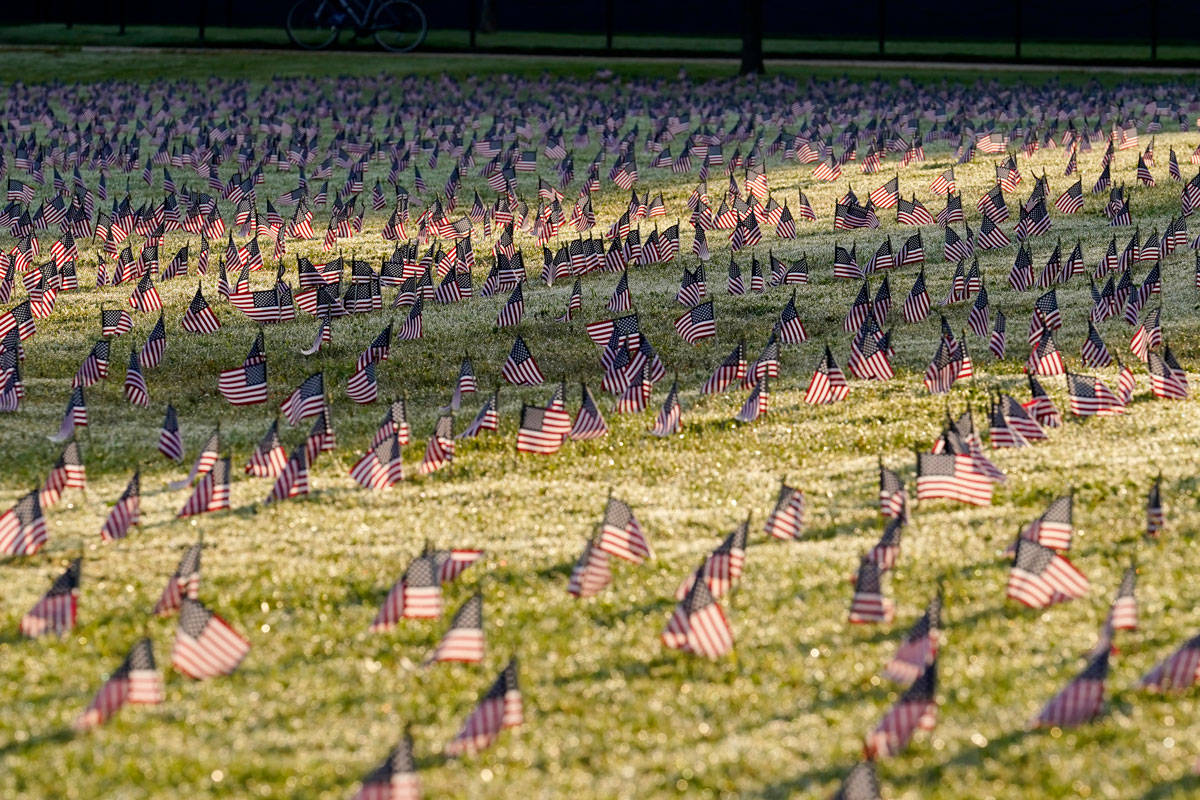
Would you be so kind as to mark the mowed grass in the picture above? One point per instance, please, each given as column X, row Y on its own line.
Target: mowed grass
column 610, row 712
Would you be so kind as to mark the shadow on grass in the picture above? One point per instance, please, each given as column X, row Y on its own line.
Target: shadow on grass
column 59, row 736
column 801, row 785
column 1187, row 786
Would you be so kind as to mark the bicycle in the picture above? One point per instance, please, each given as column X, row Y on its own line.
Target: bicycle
column 396, row 25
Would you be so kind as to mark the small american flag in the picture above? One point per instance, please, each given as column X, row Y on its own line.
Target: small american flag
column 125, row 513
column 786, row 520
column 137, row 680
column 439, row 452
column 500, row 708
column 68, row 472
column 206, row 645
column 464, row 641
column 589, row 422
column 23, row 527
column 859, row 784
column 417, row 595
column 868, row 604
column 723, row 566
column 183, row 583
column 520, row 368
column 1123, row 614
column 698, row 625
column 306, row 401
column 394, row 779
column 1040, row 577
column 916, row 709
column 1155, row 517
column 591, row 573
column 621, row 534
column 269, row 457
column 293, row 479
column 1080, row 701
column 55, row 612
column 919, row 647
column 1177, row 672
column 211, row 493
column 697, row 324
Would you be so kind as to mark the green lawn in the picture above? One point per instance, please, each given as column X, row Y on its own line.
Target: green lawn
column 610, row 713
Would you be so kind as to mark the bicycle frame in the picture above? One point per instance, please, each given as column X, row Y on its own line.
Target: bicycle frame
column 360, row 22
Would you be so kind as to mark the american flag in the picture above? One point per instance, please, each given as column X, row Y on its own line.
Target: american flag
column 23, row 527
column 589, row 422
column 667, row 422
column 67, row 473
column 868, row 604
column 1155, row 516
column 137, row 680
column 204, row 460
column 698, row 624
column 211, row 493
column 1167, row 379
column 893, row 497
column 199, row 317
column 1045, row 358
column 538, row 434
column 513, row 309
column 487, row 419
column 732, row 369
column 135, row 383
column 757, row 404
column 499, row 709
column 269, row 457
column 362, row 386
column 306, row 401
column 1019, row 419
column 697, row 323
column 464, row 640
column 1080, row 701
column 293, row 479
column 183, row 583
column 887, row 195
column 916, row 305
column 146, row 297
column 520, row 368
column 126, row 512
column 55, row 612
column 417, row 595
column 591, row 573
column 859, row 784
column 246, row 385
column 1177, row 672
column 887, row 549
column 828, row 384
column 206, row 645
column 1054, row 527
column 76, row 416
column 952, row 477
column 156, row 344
column 786, row 520
column 1071, row 201
column 1123, row 614
column 381, row 466
column 1040, row 577
column 452, row 563
column 723, row 566
column 621, row 534
column 439, row 451
column 916, row 709
column 1094, row 352
column 394, row 779
column 1089, row 396
column 919, row 648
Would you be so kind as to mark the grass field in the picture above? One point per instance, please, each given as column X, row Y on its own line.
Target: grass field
column 610, row 713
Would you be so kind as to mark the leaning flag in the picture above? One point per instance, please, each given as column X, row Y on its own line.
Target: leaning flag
column 205, row 645
column 1177, row 672
column 125, row 513
column 183, row 583
column 23, row 527
column 394, row 779
column 621, row 535
column 1040, row 577
column 916, row 708
column 919, row 647
column 952, row 477
column 591, row 573
column 868, row 603
column 211, row 493
column 698, row 625
column 464, row 641
column 55, row 612
column 786, row 520
column 1080, row 701
column 499, row 709
column 137, row 680
column 306, row 401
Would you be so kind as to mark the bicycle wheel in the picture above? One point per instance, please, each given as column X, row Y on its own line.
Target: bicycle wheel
column 314, row 24
column 399, row 26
